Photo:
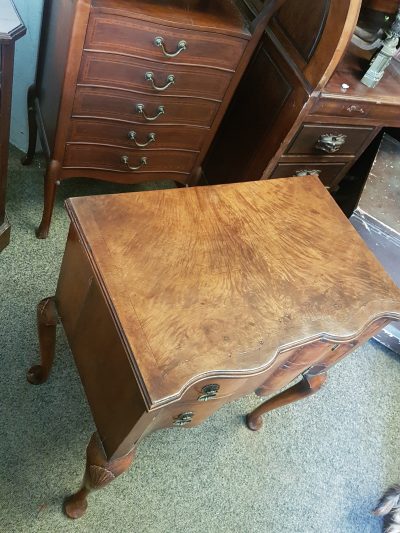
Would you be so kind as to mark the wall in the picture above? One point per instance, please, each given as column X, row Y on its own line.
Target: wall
column 25, row 68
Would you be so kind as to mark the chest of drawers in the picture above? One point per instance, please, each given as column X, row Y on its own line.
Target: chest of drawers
column 134, row 90
column 277, row 285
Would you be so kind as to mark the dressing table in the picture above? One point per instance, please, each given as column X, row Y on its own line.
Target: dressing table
column 175, row 302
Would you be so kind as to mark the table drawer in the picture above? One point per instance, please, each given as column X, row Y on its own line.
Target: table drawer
column 104, row 157
column 329, row 139
column 122, row 105
column 329, row 173
column 111, row 70
column 383, row 113
column 114, row 33
column 124, row 134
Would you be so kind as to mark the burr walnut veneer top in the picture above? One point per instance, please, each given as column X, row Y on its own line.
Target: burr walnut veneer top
column 226, row 277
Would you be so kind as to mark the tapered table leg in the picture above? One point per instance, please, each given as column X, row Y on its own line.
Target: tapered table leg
column 310, row 384
column 28, row 158
column 47, row 320
column 99, row 473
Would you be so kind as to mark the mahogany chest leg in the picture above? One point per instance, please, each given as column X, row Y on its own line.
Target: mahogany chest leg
column 30, row 154
column 99, row 472
column 310, row 384
column 47, row 320
column 50, row 187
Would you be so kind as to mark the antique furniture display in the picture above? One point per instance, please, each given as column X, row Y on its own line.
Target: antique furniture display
column 301, row 107
column 134, row 90
column 11, row 29
column 277, row 284
column 377, row 220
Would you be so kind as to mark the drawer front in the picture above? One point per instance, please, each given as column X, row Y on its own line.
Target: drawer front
column 113, row 33
column 121, row 105
column 181, row 415
column 212, row 389
column 375, row 112
column 110, row 158
column 329, row 173
column 134, row 74
column 130, row 135
column 329, row 139
column 290, row 364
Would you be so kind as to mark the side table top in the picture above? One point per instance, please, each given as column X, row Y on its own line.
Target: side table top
column 218, row 280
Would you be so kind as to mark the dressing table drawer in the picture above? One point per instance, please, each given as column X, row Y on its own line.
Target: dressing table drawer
column 114, row 33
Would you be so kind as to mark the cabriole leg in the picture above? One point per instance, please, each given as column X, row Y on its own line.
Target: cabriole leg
column 310, row 384
column 47, row 320
column 99, row 473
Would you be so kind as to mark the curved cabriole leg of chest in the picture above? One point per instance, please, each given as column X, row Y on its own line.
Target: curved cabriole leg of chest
column 311, row 383
column 30, row 154
column 50, row 187
column 99, row 472
column 47, row 320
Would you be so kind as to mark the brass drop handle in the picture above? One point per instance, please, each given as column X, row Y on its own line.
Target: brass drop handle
column 182, row 45
column 183, row 418
column 125, row 161
column 151, row 137
column 141, row 111
column 330, row 142
column 208, row 392
column 149, row 76
column 306, row 172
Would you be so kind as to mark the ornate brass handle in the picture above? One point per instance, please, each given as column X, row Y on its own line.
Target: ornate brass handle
column 182, row 45
column 141, row 111
column 151, row 137
column 183, row 418
column 330, row 142
column 149, row 76
column 306, row 172
column 209, row 392
column 125, row 161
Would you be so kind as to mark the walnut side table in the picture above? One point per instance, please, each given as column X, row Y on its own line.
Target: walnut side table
column 11, row 29
column 175, row 302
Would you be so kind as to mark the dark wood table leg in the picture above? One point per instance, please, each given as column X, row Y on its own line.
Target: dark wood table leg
column 47, row 320
column 30, row 154
column 50, row 187
column 310, row 384
column 99, row 472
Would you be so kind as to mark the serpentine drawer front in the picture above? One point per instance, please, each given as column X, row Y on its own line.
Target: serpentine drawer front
column 175, row 302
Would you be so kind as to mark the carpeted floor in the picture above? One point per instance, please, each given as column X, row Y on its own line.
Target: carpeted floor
column 317, row 466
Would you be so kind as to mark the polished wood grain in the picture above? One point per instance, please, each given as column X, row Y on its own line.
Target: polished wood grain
column 110, row 157
column 229, row 246
column 11, row 29
column 100, row 131
column 136, row 38
column 328, row 172
column 306, row 141
column 177, row 302
column 118, row 72
column 100, row 103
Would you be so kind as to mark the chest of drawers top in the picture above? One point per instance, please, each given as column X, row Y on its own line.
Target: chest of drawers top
column 221, row 279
